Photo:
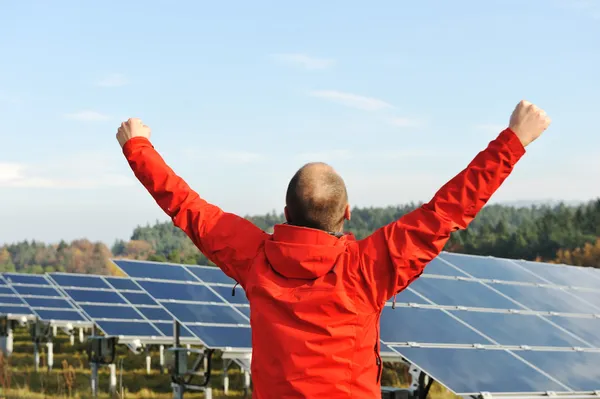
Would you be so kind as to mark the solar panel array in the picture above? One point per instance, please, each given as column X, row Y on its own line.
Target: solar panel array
column 118, row 307
column 34, row 295
column 475, row 324
column 10, row 304
column 481, row 324
column 196, row 297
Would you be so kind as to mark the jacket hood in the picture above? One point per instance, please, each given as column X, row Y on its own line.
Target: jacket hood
column 304, row 253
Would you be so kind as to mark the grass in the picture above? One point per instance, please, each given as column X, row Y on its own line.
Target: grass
column 70, row 376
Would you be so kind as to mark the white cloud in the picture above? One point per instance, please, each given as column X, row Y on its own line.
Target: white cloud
column 305, row 61
column 405, row 122
column 114, row 80
column 87, row 116
column 352, row 100
column 91, row 171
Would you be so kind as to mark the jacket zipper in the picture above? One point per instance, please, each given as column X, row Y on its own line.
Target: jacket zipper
column 378, row 363
column 377, row 356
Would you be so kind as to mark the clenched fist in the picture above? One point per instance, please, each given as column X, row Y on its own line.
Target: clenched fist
column 528, row 122
column 130, row 129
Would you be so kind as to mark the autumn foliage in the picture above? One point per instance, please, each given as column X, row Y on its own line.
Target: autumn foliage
column 558, row 233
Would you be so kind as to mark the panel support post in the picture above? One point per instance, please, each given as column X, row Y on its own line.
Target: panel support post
column 81, row 336
column 94, row 379
column 246, row 382
column 50, row 349
column 8, row 341
column 148, row 360
column 208, row 393
column 161, row 351
column 226, row 364
column 72, row 339
column 36, row 356
column 112, row 388
column 177, row 391
column 54, row 331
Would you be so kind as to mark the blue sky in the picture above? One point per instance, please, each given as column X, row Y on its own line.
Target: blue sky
column 397, row 96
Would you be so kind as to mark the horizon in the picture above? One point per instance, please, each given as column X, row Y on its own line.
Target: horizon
column 398, row 98
column 517, row 204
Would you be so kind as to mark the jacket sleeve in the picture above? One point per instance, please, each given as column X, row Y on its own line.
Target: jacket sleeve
column 230, row 241
column 396, row 254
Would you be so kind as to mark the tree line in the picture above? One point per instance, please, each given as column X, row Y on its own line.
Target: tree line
column 555, row 233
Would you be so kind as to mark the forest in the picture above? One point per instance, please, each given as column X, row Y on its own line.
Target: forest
column 568, row 234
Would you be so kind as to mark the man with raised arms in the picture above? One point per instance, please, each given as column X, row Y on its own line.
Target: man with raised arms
column 316, row 294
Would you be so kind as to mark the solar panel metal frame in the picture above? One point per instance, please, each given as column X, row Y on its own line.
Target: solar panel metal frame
column 86, row 323
column 125, row 339
column 393, row 351
column 511, row 349
column 23, row 317
column 233, row 352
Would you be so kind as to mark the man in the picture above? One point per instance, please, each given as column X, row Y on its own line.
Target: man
column 315, row 293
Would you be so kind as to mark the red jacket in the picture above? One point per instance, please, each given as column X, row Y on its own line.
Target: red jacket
column 316, row 298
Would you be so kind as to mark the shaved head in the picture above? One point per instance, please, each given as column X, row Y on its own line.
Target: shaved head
column 317, row 198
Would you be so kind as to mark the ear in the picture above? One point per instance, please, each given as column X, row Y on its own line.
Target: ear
column 286, row 214
column 347, row 212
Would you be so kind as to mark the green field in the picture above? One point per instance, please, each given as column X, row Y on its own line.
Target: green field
column 70, row 376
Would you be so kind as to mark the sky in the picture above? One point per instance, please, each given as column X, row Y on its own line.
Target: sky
column 397, row 96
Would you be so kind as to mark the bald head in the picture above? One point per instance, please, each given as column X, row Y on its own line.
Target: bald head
column 317, row 198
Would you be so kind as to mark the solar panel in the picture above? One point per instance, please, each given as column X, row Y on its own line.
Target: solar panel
column 500, row 326
column 43, row 299
column 475, row 324
column 10, row 304
column 200, row 298
column 118, row 307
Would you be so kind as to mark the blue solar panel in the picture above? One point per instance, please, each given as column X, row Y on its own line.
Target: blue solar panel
column 490, row 268
column 476, row 313
column 15, row 310
column 516, row 329
column 42, row 298
column 79, row 281
column 12, row 300
column 563, row 335
column 118, row 306
column 160, row 271
column 471, row 371
column 122, row 284
column 210, row 274
column 94, row 296
column 128, row 329
column 562, row 275
column 403, row 325
column 441, row 268
column 16, row 278
column 199, row 297
column 545, row 299
column 223, row 337
column 193, row 313
column 461, row 293
column 111, row 312
column 580, row 371
column 179, row 291
column 225, row 292
column 586, row 328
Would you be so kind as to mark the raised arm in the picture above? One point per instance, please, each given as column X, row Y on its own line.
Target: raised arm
column 396, row 254
column 228, row 240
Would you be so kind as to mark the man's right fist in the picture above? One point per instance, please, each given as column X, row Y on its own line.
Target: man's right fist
column 130, row 129
column 528, row 122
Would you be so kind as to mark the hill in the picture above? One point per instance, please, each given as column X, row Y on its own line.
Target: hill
column 555, row 232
